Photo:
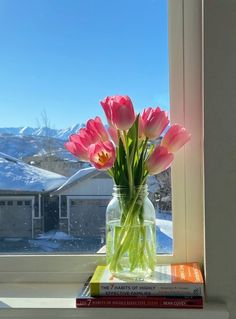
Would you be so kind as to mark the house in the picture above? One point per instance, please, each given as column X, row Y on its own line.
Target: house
column 26, row 208
column 83, row 199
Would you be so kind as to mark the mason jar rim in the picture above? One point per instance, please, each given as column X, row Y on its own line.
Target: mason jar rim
column 123, row 191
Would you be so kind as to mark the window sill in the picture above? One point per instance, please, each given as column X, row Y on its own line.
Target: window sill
column 58, row 301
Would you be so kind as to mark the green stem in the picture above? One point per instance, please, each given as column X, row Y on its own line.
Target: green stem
column 124, row 234
column 130, row 175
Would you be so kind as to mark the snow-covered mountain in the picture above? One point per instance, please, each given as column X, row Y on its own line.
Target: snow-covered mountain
column 21, row 147
column 62, row 134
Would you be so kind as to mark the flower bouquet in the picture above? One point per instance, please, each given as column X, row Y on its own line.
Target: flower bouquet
column 126, row 151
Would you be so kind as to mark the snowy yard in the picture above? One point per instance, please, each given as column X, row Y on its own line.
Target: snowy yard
column 56, row 241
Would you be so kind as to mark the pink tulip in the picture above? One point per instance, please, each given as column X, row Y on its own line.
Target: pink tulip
column 154, row 122
column 119, row 111
column 159, row 160
column 113, row 134
column 175, row 138
column 78, row 143
column 102, row 155
column 97, row 126
column 77, row 149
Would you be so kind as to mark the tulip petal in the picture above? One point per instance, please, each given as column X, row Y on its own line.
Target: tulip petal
column 78, row 150
column 159, row 161
column 96, row 126
column 175, row 138
column 113, row 134
column 107, row 109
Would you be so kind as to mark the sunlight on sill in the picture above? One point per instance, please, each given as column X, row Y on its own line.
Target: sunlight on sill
column 17, row 300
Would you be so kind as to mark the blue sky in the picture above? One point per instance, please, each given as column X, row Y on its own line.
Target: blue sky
column 64, row 56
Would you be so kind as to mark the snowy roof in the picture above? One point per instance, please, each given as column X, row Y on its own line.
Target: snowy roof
column 82, row 174
column 15, row 175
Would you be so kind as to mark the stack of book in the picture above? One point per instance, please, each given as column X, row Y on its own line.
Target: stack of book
column 171, row 286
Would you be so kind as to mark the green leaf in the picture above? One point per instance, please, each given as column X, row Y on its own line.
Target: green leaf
column 120, row 166
column 132, row 140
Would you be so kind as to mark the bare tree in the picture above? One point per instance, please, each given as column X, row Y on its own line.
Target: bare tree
column 44, row 123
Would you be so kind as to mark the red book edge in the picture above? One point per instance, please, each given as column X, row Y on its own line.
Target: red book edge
column 140, row 302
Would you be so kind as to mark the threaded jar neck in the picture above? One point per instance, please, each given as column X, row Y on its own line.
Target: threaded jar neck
column 125, row 192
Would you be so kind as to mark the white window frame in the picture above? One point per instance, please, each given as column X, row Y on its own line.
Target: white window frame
column 185, row 47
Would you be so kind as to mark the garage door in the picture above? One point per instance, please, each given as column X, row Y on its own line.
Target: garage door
column 87, row 217
column 16, row 218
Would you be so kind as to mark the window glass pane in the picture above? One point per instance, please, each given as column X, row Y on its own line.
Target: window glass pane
column 58, row 59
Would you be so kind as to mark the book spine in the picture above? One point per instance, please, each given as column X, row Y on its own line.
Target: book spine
column 132, row 289
column 140, row 303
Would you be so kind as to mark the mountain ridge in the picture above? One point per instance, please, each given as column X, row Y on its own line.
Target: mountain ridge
column 62, row 134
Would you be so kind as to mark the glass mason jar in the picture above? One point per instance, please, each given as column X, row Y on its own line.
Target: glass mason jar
column 131, row 233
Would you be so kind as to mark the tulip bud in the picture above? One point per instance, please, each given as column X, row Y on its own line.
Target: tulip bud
column 119, row 111
column 154, row 122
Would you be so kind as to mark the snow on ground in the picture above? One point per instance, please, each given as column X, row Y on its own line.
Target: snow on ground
column 57, row 241
column 165, row 227
column 55, row 234
column 164, row 232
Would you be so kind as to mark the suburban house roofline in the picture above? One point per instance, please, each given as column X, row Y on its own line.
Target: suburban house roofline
column 79, row 176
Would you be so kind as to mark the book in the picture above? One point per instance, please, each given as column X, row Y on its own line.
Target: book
column 167, row 280
column 85, row 300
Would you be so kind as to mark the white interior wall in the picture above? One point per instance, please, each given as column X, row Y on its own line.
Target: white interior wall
column 220, row 150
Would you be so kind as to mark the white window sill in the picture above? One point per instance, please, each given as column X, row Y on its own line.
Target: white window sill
column 58, row 301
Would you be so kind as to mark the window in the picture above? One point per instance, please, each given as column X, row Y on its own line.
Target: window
column 185, row 61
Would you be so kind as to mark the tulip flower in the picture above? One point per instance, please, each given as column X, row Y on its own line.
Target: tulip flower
column 102, row 155
column 159, row 160
column 154, row 122
column 77, row 149
column 113, row 134
column 97, row 126
column 78, row 143
column 175, row 138
column 119, row 111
